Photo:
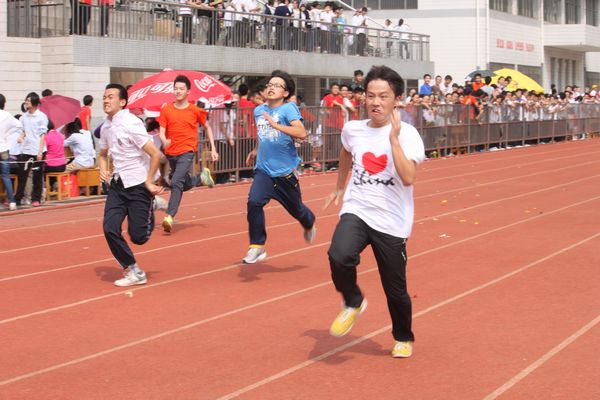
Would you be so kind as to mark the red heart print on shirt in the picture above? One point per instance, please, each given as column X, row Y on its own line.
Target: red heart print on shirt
column 374, row 164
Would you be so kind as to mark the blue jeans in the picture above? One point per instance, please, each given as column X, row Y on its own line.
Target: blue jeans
column 285, row 190
column 5, row 171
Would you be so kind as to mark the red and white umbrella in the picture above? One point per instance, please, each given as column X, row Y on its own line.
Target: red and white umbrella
column 155, row 91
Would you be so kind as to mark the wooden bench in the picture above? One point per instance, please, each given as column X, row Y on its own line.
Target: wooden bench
column 15, row 181
column 59, row 193
column 88, row 178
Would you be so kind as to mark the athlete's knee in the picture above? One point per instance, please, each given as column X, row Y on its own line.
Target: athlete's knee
column 110, row 229
column 341, row 257
column 139, row 237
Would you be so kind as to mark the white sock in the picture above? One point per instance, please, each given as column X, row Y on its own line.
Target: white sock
column 136, row 269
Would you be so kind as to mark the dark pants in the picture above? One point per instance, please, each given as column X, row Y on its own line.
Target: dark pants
column 80, row 17
column 284, row 189
column 351, row 237
column 135, row 203
column 55, row 168
column 361, row 44
column 180, row 178
column 38, row 177
column 186, row 29
column 104, row 12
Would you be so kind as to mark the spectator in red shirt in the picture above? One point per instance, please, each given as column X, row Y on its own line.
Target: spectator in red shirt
column 334, row 101
column 85, row 115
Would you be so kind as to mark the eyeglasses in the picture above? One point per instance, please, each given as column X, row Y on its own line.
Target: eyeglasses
column 275, row 85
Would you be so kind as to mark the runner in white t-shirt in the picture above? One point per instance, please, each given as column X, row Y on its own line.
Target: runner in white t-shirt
column 382, row 153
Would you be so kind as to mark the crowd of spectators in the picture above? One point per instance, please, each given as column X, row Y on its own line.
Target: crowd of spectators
column 309, row 26
column 32, row 146
column 441, row 101
column 437, row 102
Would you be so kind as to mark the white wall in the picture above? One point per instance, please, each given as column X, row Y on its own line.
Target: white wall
column 20, row 70
column 516, row 33
column 592, row 62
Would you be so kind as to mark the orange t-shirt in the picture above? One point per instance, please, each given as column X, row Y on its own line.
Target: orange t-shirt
column 181, row 127
column 83, row 114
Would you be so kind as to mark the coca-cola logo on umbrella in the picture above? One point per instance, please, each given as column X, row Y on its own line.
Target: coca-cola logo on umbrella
column 155, row 91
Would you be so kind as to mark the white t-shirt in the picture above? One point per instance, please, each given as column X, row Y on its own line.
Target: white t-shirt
column 375, row 192
column 124, row 137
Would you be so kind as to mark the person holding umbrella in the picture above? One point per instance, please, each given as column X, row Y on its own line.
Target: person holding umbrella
column 135, row 161
column 179, row 136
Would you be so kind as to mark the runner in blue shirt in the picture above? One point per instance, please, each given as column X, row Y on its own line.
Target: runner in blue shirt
column 278, row 124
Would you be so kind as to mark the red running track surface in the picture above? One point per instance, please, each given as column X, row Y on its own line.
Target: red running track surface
column 503, row 271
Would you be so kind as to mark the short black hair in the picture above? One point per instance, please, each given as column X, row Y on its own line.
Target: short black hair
column 448, row 77
column 87, row 100
column 426, row 75
column 183, row 79
column 386, row 74
column 358, row 72
column 243, row 89
column 2, row 101
column 334, row 84
column 73, row 126
column 34, row 98
column 50, row 124
column 488, row 80
column 358, row 89
column 122, row 91
column 259, row 86
column 47, row 92
column 345, row 86
column 290, row 86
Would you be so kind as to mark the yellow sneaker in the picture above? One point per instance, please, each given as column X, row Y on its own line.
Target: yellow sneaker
column 345, row 320
column 402, row 349
column 168, row 223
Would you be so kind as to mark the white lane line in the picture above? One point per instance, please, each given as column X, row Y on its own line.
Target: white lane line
column 377, row 332
column 271, row 300
column 306, row 187
column 277, row 206
column 543, row 359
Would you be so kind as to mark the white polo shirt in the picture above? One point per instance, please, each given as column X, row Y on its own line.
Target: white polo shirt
column 376, row 193
column 125, row 136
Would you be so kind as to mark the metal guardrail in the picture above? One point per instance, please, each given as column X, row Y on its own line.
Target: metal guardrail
column 453, row 129
column 164, row 21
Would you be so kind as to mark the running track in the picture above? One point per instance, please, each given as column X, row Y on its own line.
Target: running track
column 503, row 270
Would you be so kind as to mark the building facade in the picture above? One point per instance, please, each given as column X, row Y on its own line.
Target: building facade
column 39, row 49
column 553, row 41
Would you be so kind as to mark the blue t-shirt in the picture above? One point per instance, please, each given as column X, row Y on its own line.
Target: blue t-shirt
column 277, row 155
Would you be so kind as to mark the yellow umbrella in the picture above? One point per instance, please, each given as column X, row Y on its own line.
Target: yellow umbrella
column 519, row 80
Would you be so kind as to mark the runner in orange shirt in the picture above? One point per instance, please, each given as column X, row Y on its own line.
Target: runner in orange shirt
column 179, row 136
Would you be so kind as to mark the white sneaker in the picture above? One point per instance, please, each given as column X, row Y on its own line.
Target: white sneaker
column 255, row 254
column 131, row 278
column 12, row 206
column 310, row 234
column 159, row 203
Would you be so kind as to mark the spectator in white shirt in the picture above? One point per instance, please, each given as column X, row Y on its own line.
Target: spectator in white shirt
column 81, row 144
column 9, row 126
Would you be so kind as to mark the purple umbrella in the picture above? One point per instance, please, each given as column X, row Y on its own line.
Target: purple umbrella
column 60, row 109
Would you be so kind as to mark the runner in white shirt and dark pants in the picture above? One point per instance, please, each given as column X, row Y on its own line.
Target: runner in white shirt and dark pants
column 378, row 210
column 135, row 161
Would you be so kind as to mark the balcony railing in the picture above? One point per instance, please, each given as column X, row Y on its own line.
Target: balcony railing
column 444, row 129
column 168, row 22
